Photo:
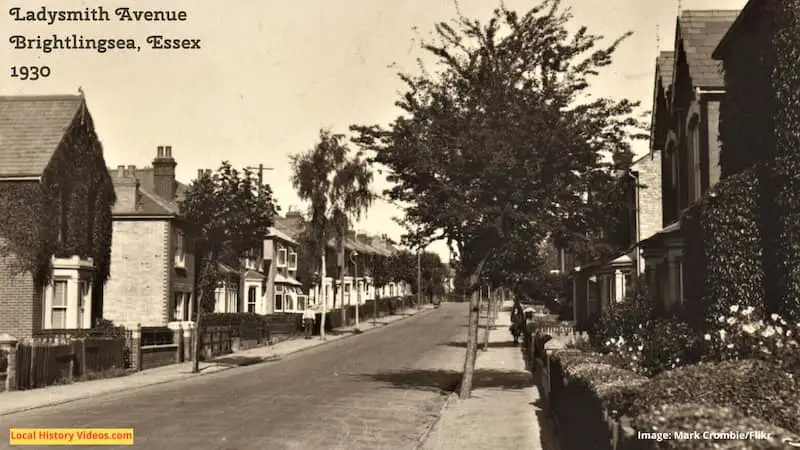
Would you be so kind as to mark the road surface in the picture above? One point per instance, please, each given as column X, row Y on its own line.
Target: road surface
column 355, row 393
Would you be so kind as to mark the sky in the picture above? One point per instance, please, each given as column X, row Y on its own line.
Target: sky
column 270, row 74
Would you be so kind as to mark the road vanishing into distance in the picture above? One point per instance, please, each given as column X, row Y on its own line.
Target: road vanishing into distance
column 379, row 390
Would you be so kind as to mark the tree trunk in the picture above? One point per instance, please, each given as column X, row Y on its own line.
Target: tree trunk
column 323, row 298
column 472, row 331
column 489, row 320
column 198, row 315
column 341, row 283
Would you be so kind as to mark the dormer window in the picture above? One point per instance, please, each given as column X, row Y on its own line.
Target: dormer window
column 292, row 260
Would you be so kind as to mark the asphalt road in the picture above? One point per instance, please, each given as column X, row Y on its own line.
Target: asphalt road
column 373, row 391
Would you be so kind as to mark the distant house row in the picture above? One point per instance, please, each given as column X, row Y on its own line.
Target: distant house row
column 684, row 158
column 49, row 142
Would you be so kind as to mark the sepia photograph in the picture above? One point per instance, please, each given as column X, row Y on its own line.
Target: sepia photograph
column 380, row 225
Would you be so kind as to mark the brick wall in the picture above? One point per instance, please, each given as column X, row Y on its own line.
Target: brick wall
column 650, row 217
column 20, row 311
column 137, row 289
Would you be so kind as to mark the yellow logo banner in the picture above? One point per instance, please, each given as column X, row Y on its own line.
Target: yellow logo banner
column 70, row 436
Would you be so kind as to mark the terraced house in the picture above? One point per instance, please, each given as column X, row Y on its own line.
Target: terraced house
column 55, row 230
column 152, row 263
column 686, row 123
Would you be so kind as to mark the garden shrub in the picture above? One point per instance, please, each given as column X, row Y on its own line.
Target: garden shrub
column 613, row 387
column 739, row 335
column 730, row 229
column 694, row 417
column 623, row 319
column 755, row 388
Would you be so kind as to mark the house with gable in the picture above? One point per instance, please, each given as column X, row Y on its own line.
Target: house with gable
column 152, row 280
column 686, row 131
column 55, row 233
column 283, row 291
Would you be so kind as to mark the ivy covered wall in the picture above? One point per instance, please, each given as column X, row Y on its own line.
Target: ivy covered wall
column 68, row 213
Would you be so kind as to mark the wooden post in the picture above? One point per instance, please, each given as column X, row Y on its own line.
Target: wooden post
column 178, row 338
column 82, row 361
column 10, row 343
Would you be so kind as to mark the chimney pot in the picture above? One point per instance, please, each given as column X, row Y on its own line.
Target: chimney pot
column 160, row 151
column 200, row 173
column 120, row 171
column 131, row 171
column 167, row 151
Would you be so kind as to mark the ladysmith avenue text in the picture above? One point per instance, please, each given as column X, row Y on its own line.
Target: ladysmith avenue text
column 96, row 14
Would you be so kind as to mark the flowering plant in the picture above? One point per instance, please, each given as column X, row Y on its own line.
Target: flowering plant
column 739, row 334
column 654, row 346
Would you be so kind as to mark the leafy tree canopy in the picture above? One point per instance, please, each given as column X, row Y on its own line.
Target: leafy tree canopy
column 232, row 214
column 499, row 146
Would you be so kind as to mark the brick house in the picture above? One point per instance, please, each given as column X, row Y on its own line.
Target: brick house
column 597, row 285
column 283, row 292
column 153, row 263
column 55, row 231
column 686, row 132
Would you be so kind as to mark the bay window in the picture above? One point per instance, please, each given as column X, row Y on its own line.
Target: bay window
column 292, row 260
column 58, row 306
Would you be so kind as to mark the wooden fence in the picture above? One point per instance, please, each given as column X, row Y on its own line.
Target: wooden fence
column 43, row 362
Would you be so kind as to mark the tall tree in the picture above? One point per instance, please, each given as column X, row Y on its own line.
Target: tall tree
column 337, row 183
column 499, row 147
column 233, row 214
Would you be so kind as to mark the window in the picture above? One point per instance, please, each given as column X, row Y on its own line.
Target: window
column 289, row 300
column 281, row 258
column 292, row 260
column 252, row 295
column 693, row 143
column 58, row 308
column 180, row 249
column 347, row 288
column 279, row 295
column 302, row 300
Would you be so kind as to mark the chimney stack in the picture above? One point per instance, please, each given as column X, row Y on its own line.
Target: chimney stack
column 132, row 171
column 200, row 173
column 164, row 173
column 120, row 171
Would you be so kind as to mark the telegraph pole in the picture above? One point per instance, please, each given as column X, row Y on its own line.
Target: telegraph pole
column 260, row 169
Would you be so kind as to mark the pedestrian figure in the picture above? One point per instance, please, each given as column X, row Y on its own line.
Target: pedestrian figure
column 516, row 324
column 308, row 321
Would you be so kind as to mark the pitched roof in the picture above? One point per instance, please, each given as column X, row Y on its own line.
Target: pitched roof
column 149, row 204
column 279, row 234
column 750, row 8
column 31, row 128
column 664, row 65
column 701, row 31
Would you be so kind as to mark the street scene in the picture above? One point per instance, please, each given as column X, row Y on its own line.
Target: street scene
column 560, row 226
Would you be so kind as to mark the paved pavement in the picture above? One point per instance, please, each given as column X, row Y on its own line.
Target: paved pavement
column 378, row 390
column 504, row 411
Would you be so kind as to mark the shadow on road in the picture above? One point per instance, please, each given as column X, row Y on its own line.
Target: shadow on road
column 238, row 361
column 460, row 344
column 448, row 380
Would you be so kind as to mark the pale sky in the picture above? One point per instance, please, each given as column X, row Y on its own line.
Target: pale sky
column 270, row 74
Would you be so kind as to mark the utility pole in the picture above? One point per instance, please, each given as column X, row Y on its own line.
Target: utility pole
column 260, row 170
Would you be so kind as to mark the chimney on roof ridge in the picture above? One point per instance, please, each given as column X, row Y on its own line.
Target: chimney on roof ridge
column 132, row 171
column 164, row 182
column 200, row 173
column 120, row 171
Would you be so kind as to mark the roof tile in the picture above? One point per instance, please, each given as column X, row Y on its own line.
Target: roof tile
column 700, row 31
column 31, row 128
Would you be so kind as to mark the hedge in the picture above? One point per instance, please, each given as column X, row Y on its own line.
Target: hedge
column 695, row 417
column 727, row 221
column 756, row 388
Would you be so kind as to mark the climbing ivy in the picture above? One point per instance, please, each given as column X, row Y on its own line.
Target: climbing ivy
column 67, row 213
